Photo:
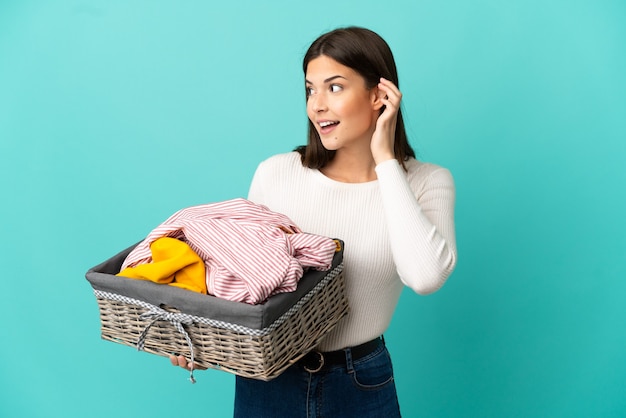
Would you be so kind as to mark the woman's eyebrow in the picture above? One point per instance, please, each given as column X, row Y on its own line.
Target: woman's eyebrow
column 329, row 79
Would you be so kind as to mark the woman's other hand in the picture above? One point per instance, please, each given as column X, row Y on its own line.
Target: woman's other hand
column 181, row 361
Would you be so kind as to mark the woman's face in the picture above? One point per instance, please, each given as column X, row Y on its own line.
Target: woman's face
column 340, row 106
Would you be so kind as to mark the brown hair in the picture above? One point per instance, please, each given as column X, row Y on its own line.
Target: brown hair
column 368, row 54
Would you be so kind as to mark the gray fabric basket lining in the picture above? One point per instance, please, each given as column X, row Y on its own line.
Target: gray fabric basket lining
column 103, row 278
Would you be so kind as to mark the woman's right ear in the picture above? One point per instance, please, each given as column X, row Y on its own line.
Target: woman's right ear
column 377, row 96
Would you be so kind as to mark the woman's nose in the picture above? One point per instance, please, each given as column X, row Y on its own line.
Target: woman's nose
column 319, row 103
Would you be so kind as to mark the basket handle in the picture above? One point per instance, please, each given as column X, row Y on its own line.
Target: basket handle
column 177, row 319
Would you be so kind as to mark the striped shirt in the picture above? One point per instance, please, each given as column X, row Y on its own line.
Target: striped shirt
column 250, row 252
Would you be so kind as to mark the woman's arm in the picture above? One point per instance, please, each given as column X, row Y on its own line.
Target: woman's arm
column 255, row 193
column 421, row 225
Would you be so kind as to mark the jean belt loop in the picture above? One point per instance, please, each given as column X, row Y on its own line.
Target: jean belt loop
column 349, row 365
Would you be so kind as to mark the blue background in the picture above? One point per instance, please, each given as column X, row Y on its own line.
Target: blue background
column 114, row 114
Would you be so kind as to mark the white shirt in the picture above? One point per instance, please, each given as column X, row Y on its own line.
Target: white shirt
column 398, row 230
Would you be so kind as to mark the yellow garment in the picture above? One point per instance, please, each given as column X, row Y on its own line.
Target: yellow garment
column 174, row 263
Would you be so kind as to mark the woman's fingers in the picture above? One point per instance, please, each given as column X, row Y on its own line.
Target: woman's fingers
column 393, row 96
column 389, row 85
column 391, row 99
column 382, row 144
column 181, row 361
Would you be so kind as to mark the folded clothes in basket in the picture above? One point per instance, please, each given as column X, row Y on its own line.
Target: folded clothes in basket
column 257, row 341
column 250, row 252
column 173, row 263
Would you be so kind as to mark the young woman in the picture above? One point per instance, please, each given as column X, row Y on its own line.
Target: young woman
column 357, row 179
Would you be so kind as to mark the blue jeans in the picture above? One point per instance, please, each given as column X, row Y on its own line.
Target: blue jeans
column 362, row 388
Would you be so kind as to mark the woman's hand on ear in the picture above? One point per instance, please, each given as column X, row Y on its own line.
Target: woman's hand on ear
column 383, row 139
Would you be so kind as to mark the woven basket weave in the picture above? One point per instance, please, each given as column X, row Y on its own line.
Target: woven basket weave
column 255, row 353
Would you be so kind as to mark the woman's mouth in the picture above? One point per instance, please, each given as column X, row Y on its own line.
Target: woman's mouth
column 327, row 126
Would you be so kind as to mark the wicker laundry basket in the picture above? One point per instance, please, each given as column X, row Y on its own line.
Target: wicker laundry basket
column 255, row 341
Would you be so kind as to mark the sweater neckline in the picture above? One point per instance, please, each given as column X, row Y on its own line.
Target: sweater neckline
column 336, row 183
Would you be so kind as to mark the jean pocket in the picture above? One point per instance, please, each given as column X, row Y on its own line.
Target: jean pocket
column 373, row 372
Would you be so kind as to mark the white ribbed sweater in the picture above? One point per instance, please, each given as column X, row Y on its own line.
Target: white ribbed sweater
column 398, row 229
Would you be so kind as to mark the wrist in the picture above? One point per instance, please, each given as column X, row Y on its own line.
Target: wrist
column 381, row 158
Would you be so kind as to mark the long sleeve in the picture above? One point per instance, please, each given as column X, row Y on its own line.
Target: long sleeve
column 420, row 220
column 255, row 193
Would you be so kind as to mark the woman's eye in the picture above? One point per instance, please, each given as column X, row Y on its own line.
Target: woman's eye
column 335, row 88
column 309, row 91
